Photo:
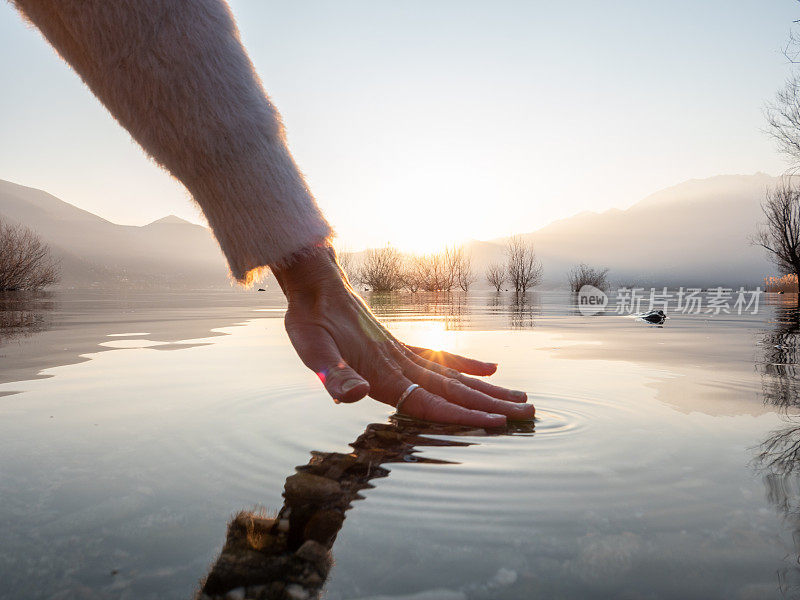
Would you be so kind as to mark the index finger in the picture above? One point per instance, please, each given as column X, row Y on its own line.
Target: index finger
column 454, row 361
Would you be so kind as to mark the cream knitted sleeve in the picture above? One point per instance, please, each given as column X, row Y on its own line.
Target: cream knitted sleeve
column 175, row 75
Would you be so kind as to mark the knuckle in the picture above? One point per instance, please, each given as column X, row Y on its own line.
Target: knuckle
column 452, row 387
column 430, row 406
column 392, row 369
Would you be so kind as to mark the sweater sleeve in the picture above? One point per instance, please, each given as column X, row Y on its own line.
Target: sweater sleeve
column 175, row 74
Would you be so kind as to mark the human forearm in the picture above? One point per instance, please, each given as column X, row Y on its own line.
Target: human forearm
column 175, row 75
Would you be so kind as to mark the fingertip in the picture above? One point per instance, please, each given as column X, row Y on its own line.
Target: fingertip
column 353, row 391
column 495, row 420
column 343, row 383
column 518, row 396
column 524, row 412
column 476, row 367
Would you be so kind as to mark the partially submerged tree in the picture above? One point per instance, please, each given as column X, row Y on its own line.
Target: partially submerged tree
column 496, row 275
column 25, row 260
column 382, row 269
column 462, row 263
column 410, row 273
column 779, row 235
column 582, row 274
column 522, row 266
column 438, row 271
column 386, row 269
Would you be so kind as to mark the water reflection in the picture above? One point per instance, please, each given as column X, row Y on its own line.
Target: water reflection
column 522, row 310
column 41, row 330
column 23, row 314
column 450, row 308
column 779, row 453
column 459, row 311
column 288, row 556
column 777, row 365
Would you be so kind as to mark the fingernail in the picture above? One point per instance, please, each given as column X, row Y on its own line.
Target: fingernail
column 526, row 411
column 350, row 384
column 519, row 395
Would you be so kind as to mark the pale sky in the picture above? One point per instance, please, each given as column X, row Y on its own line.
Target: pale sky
column 421, row 123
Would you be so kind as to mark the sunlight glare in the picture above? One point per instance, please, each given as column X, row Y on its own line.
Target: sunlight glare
column 432, row 335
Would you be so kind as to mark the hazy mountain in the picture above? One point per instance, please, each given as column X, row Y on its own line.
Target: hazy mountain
column 94, row 251
column 694, row 233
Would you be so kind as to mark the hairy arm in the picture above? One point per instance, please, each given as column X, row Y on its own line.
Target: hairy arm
column 175, row 75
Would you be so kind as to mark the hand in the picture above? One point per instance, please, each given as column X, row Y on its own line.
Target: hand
column 338, row 337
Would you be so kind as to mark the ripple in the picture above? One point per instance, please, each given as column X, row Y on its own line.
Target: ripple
column 258, row 438
column 559, row 421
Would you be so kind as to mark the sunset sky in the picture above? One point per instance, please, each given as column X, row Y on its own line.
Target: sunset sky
column 422, row 123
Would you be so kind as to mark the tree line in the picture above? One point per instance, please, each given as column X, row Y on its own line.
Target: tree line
column 387, row 269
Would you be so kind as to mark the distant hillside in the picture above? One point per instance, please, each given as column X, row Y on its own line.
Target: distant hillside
column 694, row 233
column 93, row 251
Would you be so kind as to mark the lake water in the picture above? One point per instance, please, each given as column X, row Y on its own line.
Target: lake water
column 134, row 426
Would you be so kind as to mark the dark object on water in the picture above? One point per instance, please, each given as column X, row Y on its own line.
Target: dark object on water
column 261, row 290
column 288, row 556
column 656, row 317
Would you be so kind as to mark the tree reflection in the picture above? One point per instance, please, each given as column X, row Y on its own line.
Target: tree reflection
column 288, row 556
column 23, row 314
column 523, row 308
column 779, row 454
column 778, row 365
column 459, row 311
column 451, row 308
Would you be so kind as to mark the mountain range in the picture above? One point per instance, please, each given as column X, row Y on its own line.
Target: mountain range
column 695, row 233
column 93, row 252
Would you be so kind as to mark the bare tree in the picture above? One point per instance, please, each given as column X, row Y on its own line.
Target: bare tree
column 382, row 270
column 435, row 272
column 523, row 267
column 25, row 260
column 779, row 235
column 410, row 274
column 496, row 275
column 582, row 274
column 783, row 119
column 462, row 263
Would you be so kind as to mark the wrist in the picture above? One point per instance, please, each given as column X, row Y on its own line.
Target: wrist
column 314, row 269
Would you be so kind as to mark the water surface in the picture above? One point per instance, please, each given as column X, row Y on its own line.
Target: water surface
column 133, row 427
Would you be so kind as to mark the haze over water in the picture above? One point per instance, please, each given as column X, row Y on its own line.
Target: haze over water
column 132, row 427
